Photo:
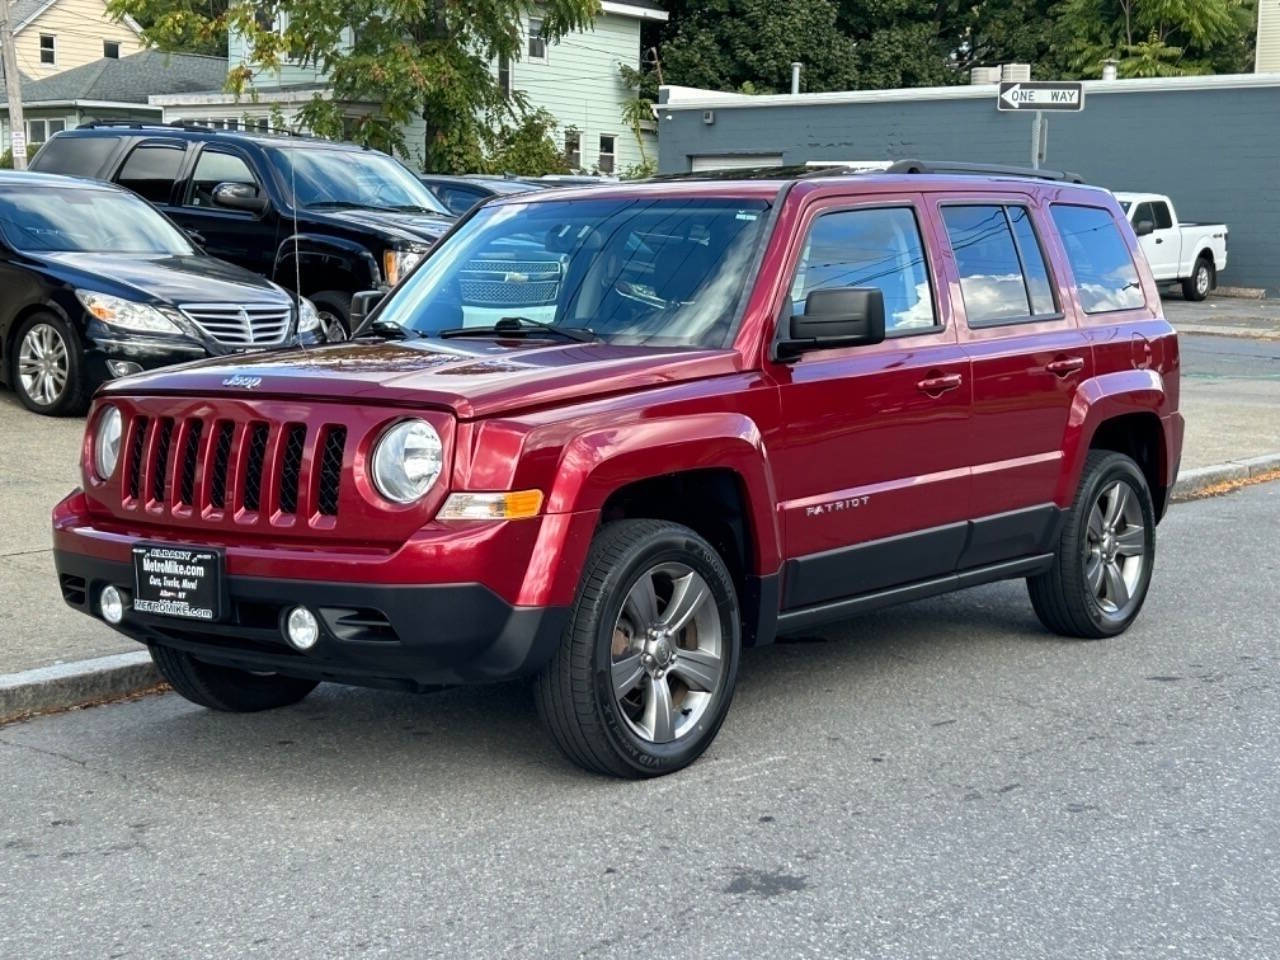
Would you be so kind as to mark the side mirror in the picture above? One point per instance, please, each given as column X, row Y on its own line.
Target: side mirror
column 1144, row 227
column 239, row 196
column 838, row 317
column 363, row 306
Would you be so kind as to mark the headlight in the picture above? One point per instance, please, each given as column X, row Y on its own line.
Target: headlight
column 308, row 318
column 126, row 314
column 397, row 263
column 106, row 442
column 407, row 461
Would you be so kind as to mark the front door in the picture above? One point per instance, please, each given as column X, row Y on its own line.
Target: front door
column 872, row 462
column 244, row 238
column 1163, row 246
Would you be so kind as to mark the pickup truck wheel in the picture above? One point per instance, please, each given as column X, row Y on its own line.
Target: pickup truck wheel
column 646, row 668
column 334, row 308
column 1106, row 551
column 1197, row 286
column 225, row 688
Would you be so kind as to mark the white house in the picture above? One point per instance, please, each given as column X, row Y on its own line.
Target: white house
column 1268, row 43
column 577, row 80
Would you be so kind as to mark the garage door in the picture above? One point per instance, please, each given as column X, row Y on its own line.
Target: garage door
column 736, row 161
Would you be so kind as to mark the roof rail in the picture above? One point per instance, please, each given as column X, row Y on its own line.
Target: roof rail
column 191, row 125
column 981, row 169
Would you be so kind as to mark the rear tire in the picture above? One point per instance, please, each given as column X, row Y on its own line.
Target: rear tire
column 1197, row 286
column 647, row 665
column 225, row 688
column 334, row 308
column 1106, row 552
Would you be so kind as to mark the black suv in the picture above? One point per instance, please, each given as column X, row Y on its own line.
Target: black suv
column 362, row 219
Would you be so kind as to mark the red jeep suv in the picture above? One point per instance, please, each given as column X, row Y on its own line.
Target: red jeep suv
column 605, row 438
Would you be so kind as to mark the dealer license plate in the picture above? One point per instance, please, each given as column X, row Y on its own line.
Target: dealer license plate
column 177, row 581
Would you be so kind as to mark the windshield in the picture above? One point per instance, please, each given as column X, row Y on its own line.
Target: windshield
column 39, row 219
column 667, row 272
column 351, row 178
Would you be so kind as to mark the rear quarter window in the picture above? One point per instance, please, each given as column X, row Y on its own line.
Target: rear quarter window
column 1105, row 274
column 76, row 156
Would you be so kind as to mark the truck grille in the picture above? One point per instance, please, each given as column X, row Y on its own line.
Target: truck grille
column 245, row 468
column 250, row 325
column 510, row 283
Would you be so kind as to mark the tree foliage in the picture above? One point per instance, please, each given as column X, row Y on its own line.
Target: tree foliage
column 415, row 60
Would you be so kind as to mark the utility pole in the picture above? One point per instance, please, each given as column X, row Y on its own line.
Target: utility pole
column 13, row 90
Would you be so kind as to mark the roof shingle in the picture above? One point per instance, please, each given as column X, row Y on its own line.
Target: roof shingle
column 130, row 79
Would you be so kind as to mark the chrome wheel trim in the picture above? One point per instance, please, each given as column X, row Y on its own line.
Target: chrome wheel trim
column 331, row 324
column 43, row 364
column 667, row 656
column 1202, row 280
column 1115, row 551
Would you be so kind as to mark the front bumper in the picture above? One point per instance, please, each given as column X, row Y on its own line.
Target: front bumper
column 404, row 637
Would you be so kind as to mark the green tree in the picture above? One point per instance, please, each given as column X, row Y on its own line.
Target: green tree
column 427, row 60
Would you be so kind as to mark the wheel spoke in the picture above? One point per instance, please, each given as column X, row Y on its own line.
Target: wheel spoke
column 1096, row 523
column 1117, row 501
column 1131, row 542
column 659, row 720
column 688, row 594
column 1117, row 589
column 698, row 669
column 1093, row 573
column 626, row 674
column 642, row 603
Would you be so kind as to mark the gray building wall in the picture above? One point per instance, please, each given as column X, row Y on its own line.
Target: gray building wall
column 1215, row 151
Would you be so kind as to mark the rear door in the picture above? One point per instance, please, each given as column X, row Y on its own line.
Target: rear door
column 151, row 169
column 1029, row 358
column 245, row 238
column 872, row 462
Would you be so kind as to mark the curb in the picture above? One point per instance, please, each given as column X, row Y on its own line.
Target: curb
column 1220, row 330
column 75, row 684
column 1194, row 483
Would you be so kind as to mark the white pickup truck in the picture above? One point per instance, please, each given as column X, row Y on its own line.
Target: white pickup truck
column 1191, row 253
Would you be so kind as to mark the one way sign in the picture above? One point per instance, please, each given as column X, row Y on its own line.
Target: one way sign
column 1041, row 95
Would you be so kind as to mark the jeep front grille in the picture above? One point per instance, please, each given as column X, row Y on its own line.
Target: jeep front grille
column 250, row 325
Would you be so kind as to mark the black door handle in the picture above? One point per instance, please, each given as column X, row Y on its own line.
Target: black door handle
column 1159, row 240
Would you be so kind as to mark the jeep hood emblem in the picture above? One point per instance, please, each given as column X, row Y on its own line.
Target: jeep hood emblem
column 243, row 381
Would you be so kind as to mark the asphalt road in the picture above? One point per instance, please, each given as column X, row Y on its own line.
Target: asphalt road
column 940, row 780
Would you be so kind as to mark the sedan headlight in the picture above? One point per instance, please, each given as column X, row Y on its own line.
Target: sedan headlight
column 106, row 442
column 126, row 314
column 308, row 316
column 407, row 461
column 397, row 263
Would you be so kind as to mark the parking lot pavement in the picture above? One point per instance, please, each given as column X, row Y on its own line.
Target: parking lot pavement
column 1228, row 316
column 1230, row 398
column 939, row 780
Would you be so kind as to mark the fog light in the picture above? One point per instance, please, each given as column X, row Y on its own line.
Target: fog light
column 123, row 368
column 111, row 604
column 301, row 629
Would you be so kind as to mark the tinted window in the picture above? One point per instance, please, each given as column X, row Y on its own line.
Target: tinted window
column 870, row 248
column 213, row 168
column 1143, row 212
column 38, row 218
column 1164, row 220
column 987, row 259
column 1034, row 270
column 76, row 156
column 460, row 199
column 150, row 172
column 1106, row 277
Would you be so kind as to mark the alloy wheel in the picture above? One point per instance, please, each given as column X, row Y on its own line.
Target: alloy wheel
column 667, row 653
column 1115, row 549
column 43, row 364
column 331, row 323
column 1202, row 280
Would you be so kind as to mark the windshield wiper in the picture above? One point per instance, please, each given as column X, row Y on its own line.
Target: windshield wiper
column 390, row 330
column 521, row 327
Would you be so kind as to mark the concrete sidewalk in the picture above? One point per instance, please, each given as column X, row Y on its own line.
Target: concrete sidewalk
column 1226, row 317
column 1231, row 401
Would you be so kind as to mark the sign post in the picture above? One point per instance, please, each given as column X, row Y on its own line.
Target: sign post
column 1040, row 96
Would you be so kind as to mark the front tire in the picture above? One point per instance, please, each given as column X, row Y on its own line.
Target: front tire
column 47, row 366
column 225, row 688
column 1106, row 551
column 1197, row 286
column 646, row 669
column 334, row 308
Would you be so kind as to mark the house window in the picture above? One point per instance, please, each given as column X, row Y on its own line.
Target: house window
column 607, row 142
column 504, row 76
column 111, row 49
column 36, row 132
column 56, row 126
column 573, row 149
column 537, row 44
column 48, row 48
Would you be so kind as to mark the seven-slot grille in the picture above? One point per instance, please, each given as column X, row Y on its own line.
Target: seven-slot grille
column 250, row 325
column 253, row 465
column 510, row 283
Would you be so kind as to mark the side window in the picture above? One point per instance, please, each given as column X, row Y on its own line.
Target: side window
column 78, row 156
column 1142, row 213
column 1164, row 219
column 151, row 170
column 215, row 167
column 1003, row 277
column 1106, row 277
column 870, row 248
